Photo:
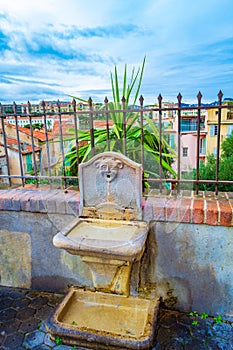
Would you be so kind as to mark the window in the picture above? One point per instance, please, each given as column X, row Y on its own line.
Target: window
column 172, row 141
column 230, row 129
column 213, row 130
column 202, row 146
column 185, row 151
column 29, row 162
column 170, row 138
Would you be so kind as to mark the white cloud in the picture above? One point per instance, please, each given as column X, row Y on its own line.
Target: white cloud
column 72, row 45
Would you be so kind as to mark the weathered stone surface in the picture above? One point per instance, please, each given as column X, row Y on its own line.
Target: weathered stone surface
column 103, row 181
column 210, row 268
column 13, row 341
column 170, row 334
column 34, row 339
column 25, row 314
column 191, row 266
column 15, row 264
column 7, row 314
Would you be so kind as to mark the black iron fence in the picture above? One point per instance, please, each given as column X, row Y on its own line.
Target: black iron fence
column 45, row 146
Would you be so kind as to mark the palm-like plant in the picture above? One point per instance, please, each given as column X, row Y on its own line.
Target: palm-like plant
column 126, row 130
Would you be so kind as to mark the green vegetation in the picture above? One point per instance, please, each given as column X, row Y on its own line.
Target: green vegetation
column 58, row 341
column 38, row 126
column 218, row 319
column 125, row 124
column 208, row 171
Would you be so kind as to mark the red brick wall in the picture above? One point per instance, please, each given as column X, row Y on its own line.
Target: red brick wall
column 205, row 209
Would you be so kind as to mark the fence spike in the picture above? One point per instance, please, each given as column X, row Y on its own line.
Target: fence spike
column 90, row 102
column 179, row 97
column 160, row 98
column 29, row 107
column 14, row 107
column 141, row 99
column 199, row 96
column 220, row 95
column 74, row 103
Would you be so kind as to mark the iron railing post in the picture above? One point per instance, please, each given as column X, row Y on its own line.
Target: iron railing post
column 91, row 126
column 179, row 98
column 47, row 143
column 160, row 142
column 107, row 122
column 123, row 100
column 141, row 99
column 199, row 96
column 220, row 95
column 19, row 144
column 33, row 143
column 61, row 141
column 76, row 131
column 5, row 145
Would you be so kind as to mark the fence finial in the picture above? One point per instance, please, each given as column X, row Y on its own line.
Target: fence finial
column 160, row 98
column 199, row 96
column 74, row 103
column 220, row 95
column 141, row 99
column 29, row 107
column 90, row 102
column 14, row 107
column 179, row 97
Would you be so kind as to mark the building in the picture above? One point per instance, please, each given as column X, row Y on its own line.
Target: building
column 188, row 133
column 14, row 158
column 39, row 141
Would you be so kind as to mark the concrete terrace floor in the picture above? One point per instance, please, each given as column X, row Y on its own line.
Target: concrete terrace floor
column 23, row 314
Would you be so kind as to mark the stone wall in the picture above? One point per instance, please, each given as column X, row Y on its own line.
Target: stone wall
column 188, row 258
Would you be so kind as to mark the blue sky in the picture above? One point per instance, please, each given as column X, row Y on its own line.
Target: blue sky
column 52, row 48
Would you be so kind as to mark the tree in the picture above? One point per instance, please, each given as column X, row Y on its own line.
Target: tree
column 227, row 146
column 129, row 127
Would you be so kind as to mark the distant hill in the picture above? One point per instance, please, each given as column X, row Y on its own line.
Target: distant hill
column 215, row 103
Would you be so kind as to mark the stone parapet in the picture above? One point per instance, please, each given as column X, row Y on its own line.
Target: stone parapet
column 205, row 208
column 40, row 201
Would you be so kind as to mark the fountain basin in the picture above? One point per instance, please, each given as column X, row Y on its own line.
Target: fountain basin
column 119, row 239
column 99, row 320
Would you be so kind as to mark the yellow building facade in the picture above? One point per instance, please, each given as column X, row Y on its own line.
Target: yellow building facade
column 226, row 127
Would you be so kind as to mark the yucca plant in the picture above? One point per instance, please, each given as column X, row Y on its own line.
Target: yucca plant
column 132, row 132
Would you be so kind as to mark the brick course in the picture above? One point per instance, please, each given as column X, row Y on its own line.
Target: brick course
column 209, row 210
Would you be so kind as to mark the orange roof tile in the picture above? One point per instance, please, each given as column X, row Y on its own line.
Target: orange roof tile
column 37, row 134
column 13, row 144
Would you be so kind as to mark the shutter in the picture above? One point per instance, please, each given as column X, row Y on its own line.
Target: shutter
column 212, row 128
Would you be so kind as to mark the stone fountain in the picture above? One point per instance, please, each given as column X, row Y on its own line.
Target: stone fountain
column 109, row 236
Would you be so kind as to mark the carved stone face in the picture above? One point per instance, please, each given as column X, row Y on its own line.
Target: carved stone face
column 109, row 168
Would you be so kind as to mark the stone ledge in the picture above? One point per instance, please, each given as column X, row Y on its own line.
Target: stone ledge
column 203, row 209
column 40, row 201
